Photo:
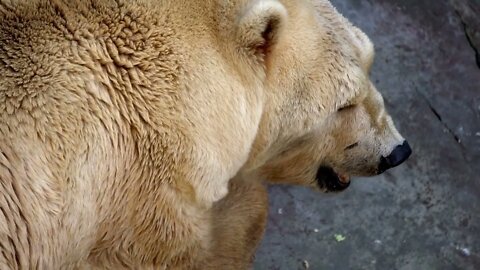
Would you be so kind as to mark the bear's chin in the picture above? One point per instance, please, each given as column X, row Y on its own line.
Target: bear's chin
column 331, row 181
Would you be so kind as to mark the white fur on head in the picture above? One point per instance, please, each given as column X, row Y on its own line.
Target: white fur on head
column 260, row 25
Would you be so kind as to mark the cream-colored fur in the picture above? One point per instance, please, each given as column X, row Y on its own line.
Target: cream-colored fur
column 135, row 134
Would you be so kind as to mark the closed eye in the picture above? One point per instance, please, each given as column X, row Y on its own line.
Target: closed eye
column 351, row 106
column 351, row 146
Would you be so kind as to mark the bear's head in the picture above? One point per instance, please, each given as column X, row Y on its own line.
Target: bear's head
column 282, row 92
column 323, row 120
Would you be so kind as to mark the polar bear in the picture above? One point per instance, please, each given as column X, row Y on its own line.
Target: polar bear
column 137, row 134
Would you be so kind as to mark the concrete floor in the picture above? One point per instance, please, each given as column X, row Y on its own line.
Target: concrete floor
column 425, row 214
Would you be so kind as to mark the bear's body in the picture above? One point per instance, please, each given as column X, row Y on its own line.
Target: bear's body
column 134, row 134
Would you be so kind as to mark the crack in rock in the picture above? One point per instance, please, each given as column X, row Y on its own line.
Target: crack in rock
column 470, row 41
column 440, row 119
column 467, row 13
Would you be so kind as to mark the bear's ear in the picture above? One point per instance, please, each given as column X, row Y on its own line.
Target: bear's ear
column 260, row 26
column 365, row 48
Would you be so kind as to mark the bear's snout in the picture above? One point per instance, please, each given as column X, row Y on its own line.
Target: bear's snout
column 397, row 157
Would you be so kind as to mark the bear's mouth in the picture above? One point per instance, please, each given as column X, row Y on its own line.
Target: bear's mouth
column 331, row 181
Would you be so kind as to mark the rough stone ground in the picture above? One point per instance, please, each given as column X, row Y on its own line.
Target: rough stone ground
column 425, row 214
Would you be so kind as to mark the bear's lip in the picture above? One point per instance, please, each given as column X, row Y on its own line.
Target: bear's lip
column 344, row 178
column 331, row 180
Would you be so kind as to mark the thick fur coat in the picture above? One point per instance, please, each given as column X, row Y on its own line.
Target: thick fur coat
column 136, row 134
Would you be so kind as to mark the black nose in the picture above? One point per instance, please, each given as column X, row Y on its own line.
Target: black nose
column 398, row 155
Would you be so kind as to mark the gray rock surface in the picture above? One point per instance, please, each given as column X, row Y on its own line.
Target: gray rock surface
column 424, row 214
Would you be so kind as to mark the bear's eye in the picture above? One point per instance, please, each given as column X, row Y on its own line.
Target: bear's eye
column 347, row 107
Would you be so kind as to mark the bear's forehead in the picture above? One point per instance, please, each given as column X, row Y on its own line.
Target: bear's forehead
column 349, row 85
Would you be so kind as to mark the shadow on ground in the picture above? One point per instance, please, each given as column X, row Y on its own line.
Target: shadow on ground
column 425, row 214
